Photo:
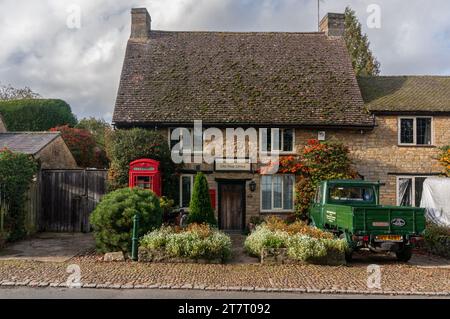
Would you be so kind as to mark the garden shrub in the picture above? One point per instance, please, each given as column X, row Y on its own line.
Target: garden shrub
column 16, row 174
column 125, row 146
column 437, row 239
column 197, row 241
column 444, row 159
column 200, row 208
column 36, row 114
column 298, row 227
column 303, row 243
column 112, row 219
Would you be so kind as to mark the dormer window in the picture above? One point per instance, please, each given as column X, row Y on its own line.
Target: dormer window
column 415, row 130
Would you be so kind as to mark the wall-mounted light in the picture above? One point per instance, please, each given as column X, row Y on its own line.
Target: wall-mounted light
column 252, row 186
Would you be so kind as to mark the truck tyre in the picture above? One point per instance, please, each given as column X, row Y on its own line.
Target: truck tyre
column 404, row 254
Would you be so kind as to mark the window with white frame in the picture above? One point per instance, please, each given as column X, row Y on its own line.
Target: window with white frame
column 186, row 186
column 415, row 130
column 277, row 192
column 409, row 190
column 286, row 140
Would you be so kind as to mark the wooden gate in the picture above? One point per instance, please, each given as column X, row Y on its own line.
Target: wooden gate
column 69, row 197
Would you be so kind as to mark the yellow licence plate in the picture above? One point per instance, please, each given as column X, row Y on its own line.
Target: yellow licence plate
column 389, row 238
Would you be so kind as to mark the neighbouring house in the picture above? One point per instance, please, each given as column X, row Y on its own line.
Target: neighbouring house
column 300, row 82
column 48, row 148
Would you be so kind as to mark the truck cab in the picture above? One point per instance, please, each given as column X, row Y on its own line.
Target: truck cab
column 351, row 209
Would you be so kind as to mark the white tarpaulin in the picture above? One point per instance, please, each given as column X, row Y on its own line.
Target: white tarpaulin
column 436, row 200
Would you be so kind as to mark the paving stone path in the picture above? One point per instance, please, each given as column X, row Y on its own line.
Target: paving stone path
column 396, row 278
column 424, row 275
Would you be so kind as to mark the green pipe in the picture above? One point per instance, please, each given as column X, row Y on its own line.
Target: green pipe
column 135, row 238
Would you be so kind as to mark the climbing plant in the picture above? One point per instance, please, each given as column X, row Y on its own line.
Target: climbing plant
column 16, row 174
column 318, row 161
column 444, row 159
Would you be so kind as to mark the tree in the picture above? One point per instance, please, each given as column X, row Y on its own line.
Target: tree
column 363, row 61
column 98, row 128
column 8, row 92
column 36, row 114
column 81, row 144
column 200, row 208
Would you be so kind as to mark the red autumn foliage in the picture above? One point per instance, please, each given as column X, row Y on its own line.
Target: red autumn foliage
column 82, row 145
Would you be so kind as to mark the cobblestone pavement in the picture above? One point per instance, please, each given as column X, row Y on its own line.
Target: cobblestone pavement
column 396, row 278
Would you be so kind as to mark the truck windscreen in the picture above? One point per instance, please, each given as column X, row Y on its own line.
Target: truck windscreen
column 352, row 194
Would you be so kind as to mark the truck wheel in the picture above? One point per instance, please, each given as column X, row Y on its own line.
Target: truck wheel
column 404, row 254
column 349, row 255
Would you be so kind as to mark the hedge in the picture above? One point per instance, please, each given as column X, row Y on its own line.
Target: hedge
column 36, row 114
column 16, row 173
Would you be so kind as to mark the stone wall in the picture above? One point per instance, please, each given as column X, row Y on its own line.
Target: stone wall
column 56, row 155
column 378, row 157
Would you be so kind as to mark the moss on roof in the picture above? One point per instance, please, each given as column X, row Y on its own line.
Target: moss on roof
column 406, row 93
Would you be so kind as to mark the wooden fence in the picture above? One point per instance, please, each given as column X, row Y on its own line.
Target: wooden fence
column 68, row 197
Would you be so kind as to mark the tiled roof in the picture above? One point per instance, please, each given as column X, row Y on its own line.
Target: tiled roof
column 406, row 93
column 243, row 78
column 26, row 142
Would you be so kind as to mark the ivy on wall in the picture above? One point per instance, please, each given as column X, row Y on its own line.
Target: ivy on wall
column 444, row 159
column 317, row 162
column 16, row 173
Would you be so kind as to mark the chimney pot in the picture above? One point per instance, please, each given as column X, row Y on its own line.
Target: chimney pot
column 140, row 24
column 333, row 24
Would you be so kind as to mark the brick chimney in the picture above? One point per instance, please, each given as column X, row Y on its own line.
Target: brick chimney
column 333, row 24
column 140, row 24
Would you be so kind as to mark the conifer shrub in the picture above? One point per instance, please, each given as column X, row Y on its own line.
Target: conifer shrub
column 200, row 208
column 112, row 219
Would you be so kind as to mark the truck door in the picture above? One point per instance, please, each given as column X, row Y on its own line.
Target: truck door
column 316, row 208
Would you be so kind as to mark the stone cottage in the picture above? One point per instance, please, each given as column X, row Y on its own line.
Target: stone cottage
column 301, row 83
column 48, row 148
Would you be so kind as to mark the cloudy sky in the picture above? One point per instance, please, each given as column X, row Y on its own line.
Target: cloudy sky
column 42, row 47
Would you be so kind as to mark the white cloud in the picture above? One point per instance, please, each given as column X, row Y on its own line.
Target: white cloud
column 82, row 66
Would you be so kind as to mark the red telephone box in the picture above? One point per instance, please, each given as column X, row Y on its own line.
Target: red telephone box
column 145, row 173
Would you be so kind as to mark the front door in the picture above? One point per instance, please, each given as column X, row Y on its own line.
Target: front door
column 232, row 206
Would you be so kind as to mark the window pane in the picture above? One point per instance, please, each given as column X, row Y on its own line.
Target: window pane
column 266, row 140
column 185, row 191
column 277, row 191
column 406, row 131
column 288, row 198
column 288, row 140
column 172, row 142
column 273, row 146
column 424, row 131
column 418, row 187
column 266, row 192
column 405, row 191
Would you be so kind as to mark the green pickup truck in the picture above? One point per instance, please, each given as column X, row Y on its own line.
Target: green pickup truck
column 351, row 210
